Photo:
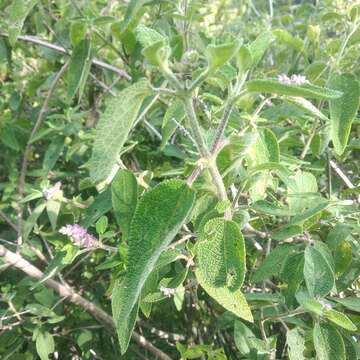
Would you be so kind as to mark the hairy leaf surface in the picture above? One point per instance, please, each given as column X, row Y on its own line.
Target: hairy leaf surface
column 114, row 127
column 158, row 217
column 328, row 342
column 221, row 254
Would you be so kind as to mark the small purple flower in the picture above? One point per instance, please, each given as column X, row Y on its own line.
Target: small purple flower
column 284, row 79
column 79, row 236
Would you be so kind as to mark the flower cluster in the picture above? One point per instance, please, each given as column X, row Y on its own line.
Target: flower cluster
column 79, row 236
column 294, row 79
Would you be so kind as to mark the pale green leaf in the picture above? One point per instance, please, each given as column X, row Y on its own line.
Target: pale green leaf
column 351, row 303
column 53, row 209
column 309, row 303
column 328, row 343
column 218, row 55
column 318, row 274
column 114, row 127
column 45, row 345
column 296, row 344
column 246, row 341
column 260, row 45
column 158, row 217
column 233, row 301
column 19, row 11
column 271, row 86
column 340, row 319
column 124, row 190
column 221, row 254
column 343, row 110
column 31, row 220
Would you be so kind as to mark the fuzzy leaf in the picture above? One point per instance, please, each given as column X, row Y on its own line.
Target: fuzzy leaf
column 340, row 319
column 318, row 274
column 124, row 190
column 218, row 55
column 296, row 344
column 328, row 343
column 233, row 301
column 260, row 45
column 271, row 86
column 114, row 127
column 343, row 110
column 158, row 217
column 221, row 254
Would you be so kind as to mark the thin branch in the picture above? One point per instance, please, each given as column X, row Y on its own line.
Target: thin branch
column 96, row 62
column 27, row 151
column 65, row 291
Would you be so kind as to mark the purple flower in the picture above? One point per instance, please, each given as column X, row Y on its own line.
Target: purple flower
column 79, row 236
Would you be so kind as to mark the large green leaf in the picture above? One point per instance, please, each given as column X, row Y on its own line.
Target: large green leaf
column 45, row 344
column 79, row 68
column 233, row 301
column 352, row 303
column 124, row 190
column 221, row 254
column 158, row 217
column 272, row 86
column 247, row 342
column 19, row 10
column 114, row 127
column 328, row 343
column 319, row 276
column 343, row 110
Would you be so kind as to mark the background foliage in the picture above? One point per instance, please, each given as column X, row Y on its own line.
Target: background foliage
column 106, row 105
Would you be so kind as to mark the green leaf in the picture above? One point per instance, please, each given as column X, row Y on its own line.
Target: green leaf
column 31, row 221
column 126, row 327
column 132, row 11
column 286, row 232
column 233, row 301
column 79, row 68
column 53, row 209
column 244, row 59
column 309, row 213
column 147, row 36
column 273, row 262
column 308, row 107
column 318, row 274
column 221, row 254
column 328, row 343
column 124, row 190
column 100, row 206
column 260, row 45
column 45, row 345
column 340, row 319
column 101, row 225
column 158, row 217
column 309, row 303
column 246, row 341
column 296, row 344
column 19, row 11
column 271, row 86
column 218, row 55
column 175, row 112
column 337, row 234
column 114, row 127
column 342, row 257
column 351, row 303
column 265, row 207
column 343, row 110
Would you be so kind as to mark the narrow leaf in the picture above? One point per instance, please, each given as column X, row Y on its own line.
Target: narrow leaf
column 271, row 86
column 340, row 319
column 124, row 191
